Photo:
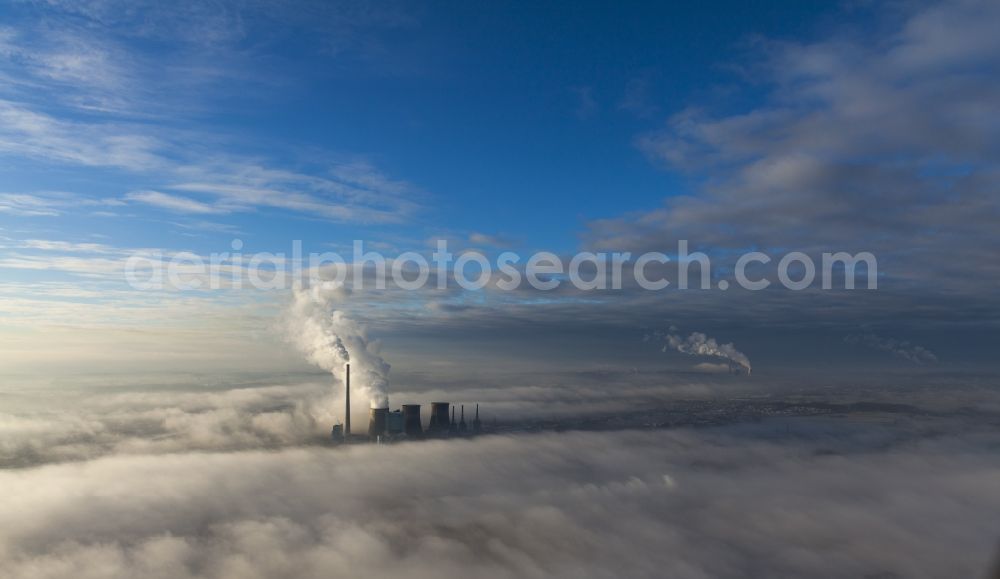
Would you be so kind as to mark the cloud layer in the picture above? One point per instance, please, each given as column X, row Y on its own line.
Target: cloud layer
column 657, row 504
column 879, row 140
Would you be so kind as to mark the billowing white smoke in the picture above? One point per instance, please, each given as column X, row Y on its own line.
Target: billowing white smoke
column 330, row 339
column 698, row 344
column 903, row 349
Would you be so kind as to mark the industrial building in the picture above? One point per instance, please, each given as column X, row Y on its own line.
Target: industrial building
column 405, row 423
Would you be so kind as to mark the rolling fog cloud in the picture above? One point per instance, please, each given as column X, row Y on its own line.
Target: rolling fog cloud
column 629, row 504
column 79, row 426
column 61, row 426
column 149, row 494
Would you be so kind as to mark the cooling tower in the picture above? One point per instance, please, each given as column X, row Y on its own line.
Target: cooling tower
column 440, row 420
column 395, row 424
column 411, row 421
column 377, row 421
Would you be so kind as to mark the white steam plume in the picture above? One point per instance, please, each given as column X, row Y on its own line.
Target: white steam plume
column 330, row 339
column 698, row 344
column 903, row 349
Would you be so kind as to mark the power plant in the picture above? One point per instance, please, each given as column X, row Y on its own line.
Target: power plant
column 404, row 424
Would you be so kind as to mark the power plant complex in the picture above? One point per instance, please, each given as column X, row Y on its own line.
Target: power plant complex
column 406, row 423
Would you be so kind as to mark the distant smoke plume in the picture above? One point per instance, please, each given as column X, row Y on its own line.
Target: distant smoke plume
column 330, row 339
column 911, row 352
column 698, row 344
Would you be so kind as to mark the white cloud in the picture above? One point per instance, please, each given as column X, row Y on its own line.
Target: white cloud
column 28, row 205
column 607, row 505
column 355, row 192
column 172, row 202
column 485, row 239
column 879, row 140
column 352, row 192
column 53, row 245
column 33, row 134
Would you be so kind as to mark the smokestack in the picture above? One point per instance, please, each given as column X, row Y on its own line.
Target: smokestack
column 347, row 404
column 411, row 421
column 377, row 421
column 461, row 423
column 439, row 418
column 476, row 425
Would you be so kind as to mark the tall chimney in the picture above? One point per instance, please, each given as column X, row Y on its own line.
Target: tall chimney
column 347, row 404
column 476, row 425
column 461, row 423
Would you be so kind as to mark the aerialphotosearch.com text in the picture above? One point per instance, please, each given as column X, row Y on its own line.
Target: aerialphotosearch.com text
column 505, row 271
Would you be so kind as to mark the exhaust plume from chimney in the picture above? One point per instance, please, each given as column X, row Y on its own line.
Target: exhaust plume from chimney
column 378, row 419
column 330, row 339
column 698, row 344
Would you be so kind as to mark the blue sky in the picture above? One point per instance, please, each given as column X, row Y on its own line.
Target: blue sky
column 806, row 126
column 513, row 121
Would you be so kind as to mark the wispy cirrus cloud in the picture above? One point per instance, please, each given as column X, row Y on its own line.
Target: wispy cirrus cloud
column 114, row 85
column 332, row 190
column 28, row 205
column 67, row 246
column 172, row 202
column 242, row 197
column 49, row 204
column 130, row 58
column 27, row 132
column 486, row 239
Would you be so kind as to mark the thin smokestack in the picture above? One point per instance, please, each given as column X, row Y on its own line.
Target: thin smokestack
column 347, row 403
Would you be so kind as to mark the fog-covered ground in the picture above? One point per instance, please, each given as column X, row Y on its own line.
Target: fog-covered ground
column 233, row 479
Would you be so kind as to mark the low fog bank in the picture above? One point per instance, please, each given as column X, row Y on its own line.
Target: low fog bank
column 681, row 504
column 78, row 422
column 55, row 426
column 67, row 422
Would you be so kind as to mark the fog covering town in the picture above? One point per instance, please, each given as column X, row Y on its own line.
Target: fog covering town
column 590, row 474
column 205, row 432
